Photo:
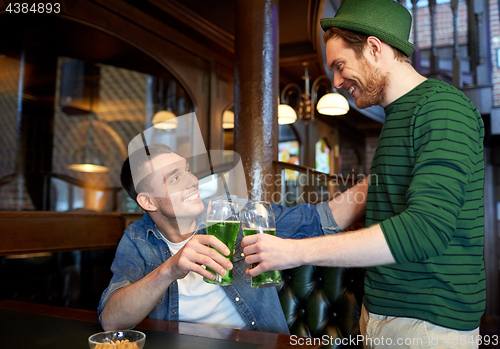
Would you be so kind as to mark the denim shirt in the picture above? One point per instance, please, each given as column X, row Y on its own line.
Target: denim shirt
column 141, row 250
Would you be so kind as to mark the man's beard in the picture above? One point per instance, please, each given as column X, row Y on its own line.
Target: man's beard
column 372, row 88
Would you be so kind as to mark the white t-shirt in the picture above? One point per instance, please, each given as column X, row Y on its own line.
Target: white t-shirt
column 202, row 302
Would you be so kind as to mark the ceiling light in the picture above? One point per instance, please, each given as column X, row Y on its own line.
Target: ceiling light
column 286, row 114
column 89, row 159
column 228, row 119
column 333, row 104
column 165, row 120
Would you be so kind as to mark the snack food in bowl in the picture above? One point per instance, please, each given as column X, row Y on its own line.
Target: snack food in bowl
column 128, row 339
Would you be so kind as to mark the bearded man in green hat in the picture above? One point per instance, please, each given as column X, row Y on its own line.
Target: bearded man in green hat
column 423, row 242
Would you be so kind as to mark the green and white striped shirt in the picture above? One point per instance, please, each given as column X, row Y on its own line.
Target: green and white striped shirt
column 426, row 192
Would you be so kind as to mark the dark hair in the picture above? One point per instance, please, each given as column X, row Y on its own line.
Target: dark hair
column 357, row 42
column 139, row 158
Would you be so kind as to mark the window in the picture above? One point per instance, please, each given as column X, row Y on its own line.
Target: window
column 98, row 108
column 322, row 156
column 289, row 149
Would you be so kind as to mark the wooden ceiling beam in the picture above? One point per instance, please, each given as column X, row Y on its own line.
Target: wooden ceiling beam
column 298, row 60
column 196, row 22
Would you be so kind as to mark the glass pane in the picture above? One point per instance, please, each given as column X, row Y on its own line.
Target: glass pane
column 97, row 109
column 114, row 116
column 322, row 156
column 289, row 152
column 9, row 85
column 13, row 192
column 117, row 116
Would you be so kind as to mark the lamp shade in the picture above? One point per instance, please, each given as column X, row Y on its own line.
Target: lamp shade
column 333, row 104
column 165, row 120
column 228, row 119
column 286, row 114
column 89, row 160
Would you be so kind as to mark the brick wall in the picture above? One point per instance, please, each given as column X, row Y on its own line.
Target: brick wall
column 444, row 33
column 443, row 25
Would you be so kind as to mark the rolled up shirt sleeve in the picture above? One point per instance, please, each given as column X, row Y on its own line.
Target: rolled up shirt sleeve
column 328, row 223
column 127, row 267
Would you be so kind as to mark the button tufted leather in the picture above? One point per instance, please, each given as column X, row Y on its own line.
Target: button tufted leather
column 321, row 301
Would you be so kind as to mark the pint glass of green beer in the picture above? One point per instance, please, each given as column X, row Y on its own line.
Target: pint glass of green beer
column 223, row 221
column 257, row 217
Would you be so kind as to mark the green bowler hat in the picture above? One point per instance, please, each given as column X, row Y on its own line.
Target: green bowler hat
column 386, row 19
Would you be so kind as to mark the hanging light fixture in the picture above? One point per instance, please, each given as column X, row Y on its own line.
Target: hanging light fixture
column 332, row 103
column 286, row 114
column 89, row 158
column 165, row 120
column 228, row 119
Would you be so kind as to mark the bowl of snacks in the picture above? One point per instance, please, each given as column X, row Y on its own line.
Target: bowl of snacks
column 129, row 339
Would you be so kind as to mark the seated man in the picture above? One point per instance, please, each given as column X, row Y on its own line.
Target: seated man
column 159, row 263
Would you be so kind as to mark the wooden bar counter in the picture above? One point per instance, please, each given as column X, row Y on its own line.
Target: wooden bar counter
column 30, row 325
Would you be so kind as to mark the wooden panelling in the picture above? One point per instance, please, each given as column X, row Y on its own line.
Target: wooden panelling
column 29, row 232
column 131, row 218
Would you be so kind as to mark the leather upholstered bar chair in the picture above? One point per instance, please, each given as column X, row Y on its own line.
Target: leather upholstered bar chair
column 319, row 301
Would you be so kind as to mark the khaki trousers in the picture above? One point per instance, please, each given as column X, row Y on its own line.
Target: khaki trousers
column 399, row 332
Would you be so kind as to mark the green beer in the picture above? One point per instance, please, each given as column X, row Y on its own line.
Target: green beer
column 269, row 278
column 225, row 232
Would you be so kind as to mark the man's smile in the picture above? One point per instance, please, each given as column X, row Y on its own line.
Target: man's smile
column 192, row 197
